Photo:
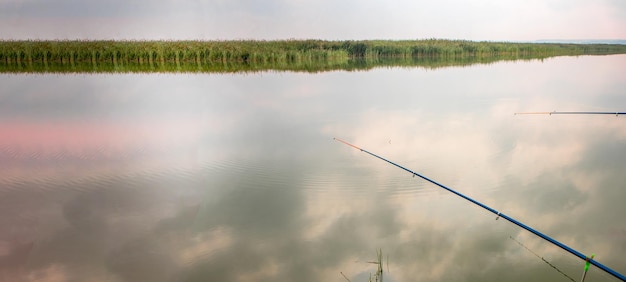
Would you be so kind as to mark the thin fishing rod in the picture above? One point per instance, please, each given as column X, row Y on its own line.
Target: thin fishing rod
column 571, row 113
column 499, row 214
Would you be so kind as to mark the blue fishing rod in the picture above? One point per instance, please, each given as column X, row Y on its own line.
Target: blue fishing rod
column 499, row 214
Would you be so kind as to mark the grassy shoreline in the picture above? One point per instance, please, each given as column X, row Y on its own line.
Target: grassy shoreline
column 213, row 56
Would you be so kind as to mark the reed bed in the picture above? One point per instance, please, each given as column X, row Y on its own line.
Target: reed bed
column 281, row 54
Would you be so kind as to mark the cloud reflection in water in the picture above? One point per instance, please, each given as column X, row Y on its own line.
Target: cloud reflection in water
column 236, row 177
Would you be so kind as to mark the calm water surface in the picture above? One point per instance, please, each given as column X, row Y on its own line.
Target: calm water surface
column 208, row 177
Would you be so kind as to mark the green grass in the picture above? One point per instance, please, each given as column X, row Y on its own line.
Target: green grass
column 227, row 56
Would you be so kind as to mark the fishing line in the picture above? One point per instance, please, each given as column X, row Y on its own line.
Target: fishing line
column 499, row 214
column 544, row 260
column 344, row 276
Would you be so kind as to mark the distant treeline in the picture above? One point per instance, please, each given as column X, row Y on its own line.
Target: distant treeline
column 213, row 56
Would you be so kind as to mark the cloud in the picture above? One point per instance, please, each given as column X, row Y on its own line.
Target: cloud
column 334, row 20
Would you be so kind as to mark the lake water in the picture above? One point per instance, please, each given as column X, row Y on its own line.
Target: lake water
column 236, row 177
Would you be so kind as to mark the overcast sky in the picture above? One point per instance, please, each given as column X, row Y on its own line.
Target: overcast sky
column 515, row 20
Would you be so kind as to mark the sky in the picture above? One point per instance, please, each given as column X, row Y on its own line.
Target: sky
column 492, row 20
